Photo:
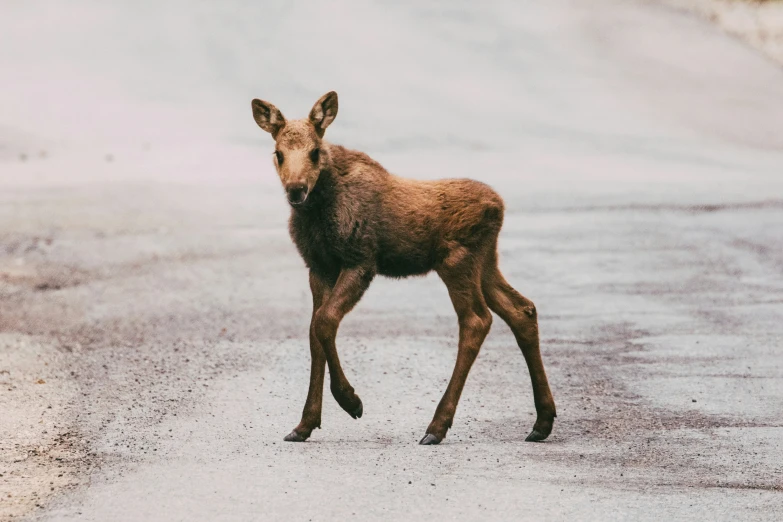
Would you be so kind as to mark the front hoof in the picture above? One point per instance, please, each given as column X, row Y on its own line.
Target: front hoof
column 350, row 402
column 357, row 412
column 294, row 436
column 430, row 440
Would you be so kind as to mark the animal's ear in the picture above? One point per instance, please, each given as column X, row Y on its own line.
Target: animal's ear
column 268, row 116
column 323, row 112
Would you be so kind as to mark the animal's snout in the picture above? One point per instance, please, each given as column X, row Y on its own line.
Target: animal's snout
column 296, row 194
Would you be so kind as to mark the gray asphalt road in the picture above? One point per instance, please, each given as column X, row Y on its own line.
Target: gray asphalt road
column 153, row 329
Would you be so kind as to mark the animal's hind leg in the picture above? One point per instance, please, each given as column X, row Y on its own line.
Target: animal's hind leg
column 520, row 314
column 463, row 280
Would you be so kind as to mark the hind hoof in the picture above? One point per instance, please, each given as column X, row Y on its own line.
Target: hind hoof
column 535, row 436
column 294, row 436
column 429, row 440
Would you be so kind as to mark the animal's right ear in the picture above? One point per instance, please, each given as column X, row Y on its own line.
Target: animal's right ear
column 267, row 116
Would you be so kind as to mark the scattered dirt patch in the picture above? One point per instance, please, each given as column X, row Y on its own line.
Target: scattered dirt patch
column 41, row 451
column 630, row 439
column 34, row 473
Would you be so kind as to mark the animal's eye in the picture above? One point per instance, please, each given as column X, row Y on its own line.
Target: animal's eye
column 314, row 155
column 279, row 156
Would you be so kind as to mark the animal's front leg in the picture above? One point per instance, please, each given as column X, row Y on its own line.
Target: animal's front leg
column 311, row 415
column 349, row 288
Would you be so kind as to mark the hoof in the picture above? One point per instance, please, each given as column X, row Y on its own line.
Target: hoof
column 294, row 437
column 429, row 440
column 541, row 430
column 349, row 401
column 535, row 436
column 357, row 412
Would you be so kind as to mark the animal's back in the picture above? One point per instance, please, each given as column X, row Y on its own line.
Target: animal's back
column 424, row 220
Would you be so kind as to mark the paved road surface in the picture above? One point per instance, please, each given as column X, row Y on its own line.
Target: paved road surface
column 153, row 312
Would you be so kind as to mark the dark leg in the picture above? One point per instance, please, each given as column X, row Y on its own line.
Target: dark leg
column 520, row 314
column 311, row 415
column 463, row 281
column 347, row 291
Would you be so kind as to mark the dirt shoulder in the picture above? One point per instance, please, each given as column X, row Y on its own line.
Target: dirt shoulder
column 759, row 23
column 41, row 451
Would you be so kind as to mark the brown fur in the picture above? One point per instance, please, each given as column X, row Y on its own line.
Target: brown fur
column 352, row 220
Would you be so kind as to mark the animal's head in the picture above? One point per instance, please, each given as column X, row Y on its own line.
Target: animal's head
column 297, row 156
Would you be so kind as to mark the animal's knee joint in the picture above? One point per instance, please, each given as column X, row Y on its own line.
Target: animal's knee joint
column 478, row 322
column 324, row 325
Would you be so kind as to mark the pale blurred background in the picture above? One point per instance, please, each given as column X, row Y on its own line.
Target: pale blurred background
column 153, row 312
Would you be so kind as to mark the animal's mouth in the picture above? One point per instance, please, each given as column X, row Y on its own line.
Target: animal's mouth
column 297, row 195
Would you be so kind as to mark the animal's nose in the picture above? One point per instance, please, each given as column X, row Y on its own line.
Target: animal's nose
column 296, row 194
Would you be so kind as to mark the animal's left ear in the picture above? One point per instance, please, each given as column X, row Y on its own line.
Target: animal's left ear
column 323, row 112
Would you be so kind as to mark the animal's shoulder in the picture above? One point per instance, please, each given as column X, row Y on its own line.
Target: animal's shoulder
column 348, row 162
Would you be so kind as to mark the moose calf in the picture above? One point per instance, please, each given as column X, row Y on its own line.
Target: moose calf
column 351, row 220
